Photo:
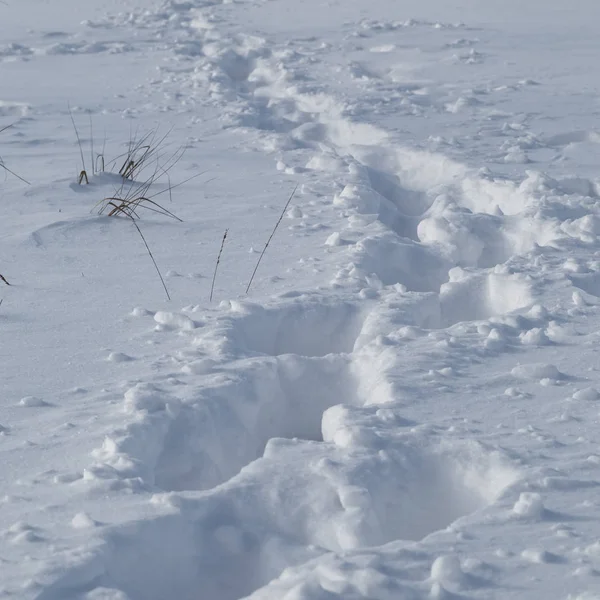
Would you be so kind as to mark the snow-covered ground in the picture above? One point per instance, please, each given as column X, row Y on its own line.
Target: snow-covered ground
column 405, row 405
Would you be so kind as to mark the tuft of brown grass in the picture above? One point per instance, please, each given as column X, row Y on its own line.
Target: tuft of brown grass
column 131, row 197
column 128, row 201
column 135, row 195
column 144, row 155
column 141, row 168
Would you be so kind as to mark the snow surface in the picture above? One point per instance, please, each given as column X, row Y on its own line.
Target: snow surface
column 405, row 404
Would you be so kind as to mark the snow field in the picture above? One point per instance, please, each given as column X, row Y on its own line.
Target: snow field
column 404, row 417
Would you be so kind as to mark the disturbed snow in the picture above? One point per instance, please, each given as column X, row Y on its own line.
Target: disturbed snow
column 405, row 404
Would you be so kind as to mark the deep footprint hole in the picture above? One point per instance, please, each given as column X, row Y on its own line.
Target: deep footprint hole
column 229, row 425
column 225, row 546
column 412, row 203
column 306, row 329
column 402, row 208
column 403, row 486
column 296, row 365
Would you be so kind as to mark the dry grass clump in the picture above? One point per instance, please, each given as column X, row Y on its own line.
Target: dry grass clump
column 132, row 197
column 143, row 167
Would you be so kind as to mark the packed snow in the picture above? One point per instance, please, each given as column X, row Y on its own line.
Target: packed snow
column 393, row 393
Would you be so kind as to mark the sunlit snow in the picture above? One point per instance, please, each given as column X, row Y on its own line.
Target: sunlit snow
column 393, row 393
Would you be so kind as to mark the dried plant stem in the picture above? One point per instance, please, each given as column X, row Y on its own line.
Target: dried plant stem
column 152, row 257
column 270, row 238
column 3, row 166
column 141, row 150
column 83, row 175
column 212, row 287
column 92, row 145
column 4, row 279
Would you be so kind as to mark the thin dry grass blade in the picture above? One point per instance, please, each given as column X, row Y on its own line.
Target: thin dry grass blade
column 212, row 287
column 92, row 145
column 152, row 257
column 78, row 142
column 270, row 238
column 170, row 188
column 159, row 209
column 3, row 166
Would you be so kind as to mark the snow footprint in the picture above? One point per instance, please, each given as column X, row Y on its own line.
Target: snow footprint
column 306, row 326
column 254, row 374
column 373, row 481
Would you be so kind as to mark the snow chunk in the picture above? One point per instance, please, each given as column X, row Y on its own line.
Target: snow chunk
column 578, row 299
column 335, row 239
column 138, row 311
column 539, row 557
column 447, row 569
column 529, row 504
column 202, row 366
column 32, row 402
column 534, row 337
column 146, row 397
column 83, row 521
column 495, row 340
column 119, row 357
column 174, row 320
column 586, row 394
column 536, row 371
